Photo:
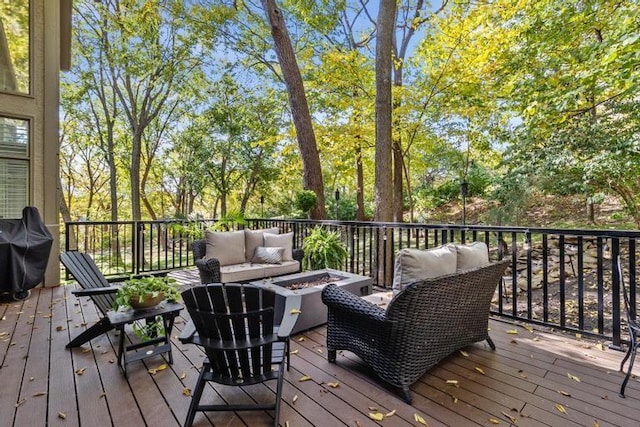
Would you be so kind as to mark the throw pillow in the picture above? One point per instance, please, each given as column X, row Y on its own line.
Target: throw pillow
column 255, row 238
column 264, row 255
column 226, row 246
column 281, row 241
column 473, row 255
column 416, row 264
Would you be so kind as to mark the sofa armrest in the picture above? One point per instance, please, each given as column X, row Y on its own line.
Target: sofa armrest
column 209, row 270
column 336, row 298
column 298, row 254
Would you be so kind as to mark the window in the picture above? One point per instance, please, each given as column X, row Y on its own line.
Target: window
column 14, row 166
column 14, row 46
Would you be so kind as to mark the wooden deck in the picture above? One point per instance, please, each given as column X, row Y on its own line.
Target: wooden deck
column 532, row 379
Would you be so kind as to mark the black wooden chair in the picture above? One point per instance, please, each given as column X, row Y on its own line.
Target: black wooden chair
column 634, row 329
column 94, row 285
column 235, row 325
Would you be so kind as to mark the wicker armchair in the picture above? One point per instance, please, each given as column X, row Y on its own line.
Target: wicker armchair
column 209, row 268
column 423, row 324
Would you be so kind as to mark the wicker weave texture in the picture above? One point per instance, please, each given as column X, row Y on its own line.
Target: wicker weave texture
column 426, row 322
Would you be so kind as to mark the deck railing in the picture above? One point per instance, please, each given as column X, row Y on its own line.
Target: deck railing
column 560, row 278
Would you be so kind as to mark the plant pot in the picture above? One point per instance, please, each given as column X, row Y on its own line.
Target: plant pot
column 147, row 302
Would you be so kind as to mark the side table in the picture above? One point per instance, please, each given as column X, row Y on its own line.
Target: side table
column 162, row 344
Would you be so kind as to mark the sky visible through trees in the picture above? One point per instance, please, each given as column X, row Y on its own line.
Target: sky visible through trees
column 180, row 108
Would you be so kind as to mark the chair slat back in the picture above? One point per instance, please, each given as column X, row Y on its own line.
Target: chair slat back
column 86, row 272
column 233, row 315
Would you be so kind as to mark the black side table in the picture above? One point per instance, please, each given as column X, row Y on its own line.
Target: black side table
column 167, row 310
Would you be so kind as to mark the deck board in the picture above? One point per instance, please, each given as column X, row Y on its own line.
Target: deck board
column 521, row 379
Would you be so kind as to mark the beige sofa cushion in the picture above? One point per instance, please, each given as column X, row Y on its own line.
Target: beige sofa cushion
column 243, row 272
column 281, row 241
column 255, row 238
column 416, row 264
column 226, row 246
column 470, row 256
column 287, row 267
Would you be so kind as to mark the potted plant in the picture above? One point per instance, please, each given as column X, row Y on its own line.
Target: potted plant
column 323, row 249
column 145, row 292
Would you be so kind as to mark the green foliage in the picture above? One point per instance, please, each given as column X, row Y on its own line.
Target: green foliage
column 145, row 287
column 323, row 249
column 305, row 200
column 230, row 221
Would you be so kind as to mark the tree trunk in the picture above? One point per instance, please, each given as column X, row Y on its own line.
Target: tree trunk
column 383, row 178
column 311, row 169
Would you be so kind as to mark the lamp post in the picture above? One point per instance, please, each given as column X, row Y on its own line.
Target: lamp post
column 464, row 190
column 262, row 206
column 337, row 196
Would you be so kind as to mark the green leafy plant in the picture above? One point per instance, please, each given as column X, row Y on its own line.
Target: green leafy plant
column 229, row 221
column 139, row 289
column 323, row 249
column 306, row 200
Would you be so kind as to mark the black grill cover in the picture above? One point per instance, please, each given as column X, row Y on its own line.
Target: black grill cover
column 25, row 245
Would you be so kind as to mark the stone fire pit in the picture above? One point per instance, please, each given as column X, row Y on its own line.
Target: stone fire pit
column 309, row 285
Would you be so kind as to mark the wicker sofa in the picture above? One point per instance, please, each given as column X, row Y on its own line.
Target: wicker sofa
column 224, row 257
column 425, row 322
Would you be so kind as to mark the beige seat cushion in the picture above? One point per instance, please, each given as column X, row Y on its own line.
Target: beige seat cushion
column 381, row 299
column 281, row 241
column 473, row 255
column 287, row 267
column 255, row 238
column 416, row 264
column 239, row 273
column 226, row 246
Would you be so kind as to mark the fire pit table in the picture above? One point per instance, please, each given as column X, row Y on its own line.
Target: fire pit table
column 309, row 285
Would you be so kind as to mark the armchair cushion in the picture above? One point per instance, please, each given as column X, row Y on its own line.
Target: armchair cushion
column 416, row 264
column 281, row 241
column 226, row 246
column 473, row 255
column 255, row 238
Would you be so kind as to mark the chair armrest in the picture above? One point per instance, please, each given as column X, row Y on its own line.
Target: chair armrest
column 187, row 333
column 96, row 291
column 339, row 299
column 209, row 270
column 290, row 316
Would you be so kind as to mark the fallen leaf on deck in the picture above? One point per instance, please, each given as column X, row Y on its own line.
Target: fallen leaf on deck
column 294, row 351
column 513, row 419
column 186, row 391
column 419, row 419
column 560, row 408
column 512, row 331
column 479, row 370
column 376, row 416
column 183, row 375
column 599, row 346
column 20, row 402
column 390, row 414
column 62, row 415
column 154, row 371
column 454, row 382
column 464, row 353
column 373, row 408
column 40, row 393
column 573, row 377
column 300, row 339
column 455, row 399
column 295, row 311
column 596, row 423
column 80, row 371
column 295, row 397
column 304, row 378
column 333, row 385
column 564, row 393
column 529, row 328
column 579, row 336
column 494, row 421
